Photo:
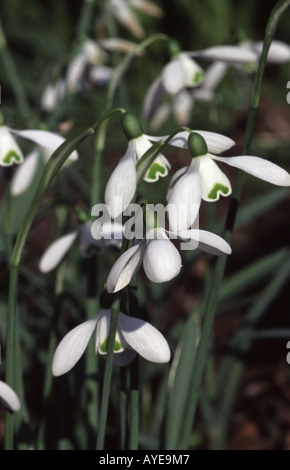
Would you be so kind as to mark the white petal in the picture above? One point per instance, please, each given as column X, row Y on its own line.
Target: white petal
column 100, row 74
column 24, row 174
column 46, row 139
column 214, row 182
column 159, row 168
column 117, row 45
column 160, row 116
column 125, row 268
column 144, row 338
column 214, row 74
column 278, row 53
column 231, row 54
column 160, row 165
column 121, row 186
column 125, row 16
column 194, row 75
column 72, row 347
column 54, row 254
column 9, row 397
column 147, row 7
column 9, row 150
column 153, row 98
column 216, row 143
column 173, row 77
column 182, row 107
column 184, row 199
column 161, row 261
column 102, row 334
column 259, row 167
column 206, row 241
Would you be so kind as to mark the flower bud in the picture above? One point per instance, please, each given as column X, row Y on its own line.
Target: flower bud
column 131, row 126
column 197, row 145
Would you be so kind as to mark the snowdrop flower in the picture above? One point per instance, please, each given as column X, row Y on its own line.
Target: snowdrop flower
column 179, row 74
column 245, row 53
column 109, row 235
column 90, row 54
column 181, row 104
column 161, row 259
column 8, row 397
column 121, row 186
column 48, row 143
column 122, row 10
column 203, row 179
column 133, row 336
column 52, row 95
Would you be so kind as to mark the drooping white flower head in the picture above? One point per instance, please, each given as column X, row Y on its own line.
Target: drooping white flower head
column 108, row 235
column 123, row 12
column 121, row 185
column 181, row 104
column 203, row 179
column 182, row 73
column 161, row 259
column 8, row 397
column 133, row 336
column 48, row 142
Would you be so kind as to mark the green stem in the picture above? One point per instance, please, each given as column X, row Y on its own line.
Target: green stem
column 86, row 15
column 13, row 75
column 10, row 352
column 211, row 305
column 108, row 373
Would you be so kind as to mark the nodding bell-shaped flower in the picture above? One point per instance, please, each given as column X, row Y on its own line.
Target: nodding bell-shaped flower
column 8, row 397
column 203, row 179
column 180, row 74
column 121, row 9
column 181, row 104
column 108, row 235
column 121, row 186
column 47, row 143
column 134, row 336
column 161, row 259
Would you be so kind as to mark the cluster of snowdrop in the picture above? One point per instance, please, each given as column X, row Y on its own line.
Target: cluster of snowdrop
column 183, row 80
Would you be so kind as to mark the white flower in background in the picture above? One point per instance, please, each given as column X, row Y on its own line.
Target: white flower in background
column 161, row 259
column 109, row 235
column 203, row 179
column 52, row 95
column 180, row 74
column 8, row 397
column 91, row 56
column 245, row 53
column 123, row 12
column 181, row 104
column 48, row 143
column 133, row 336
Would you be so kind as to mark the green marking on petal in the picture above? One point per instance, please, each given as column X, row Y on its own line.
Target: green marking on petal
column 155, row 171
column 104, row 346
column 11, row 157
column 198, row 77
column 218, row 187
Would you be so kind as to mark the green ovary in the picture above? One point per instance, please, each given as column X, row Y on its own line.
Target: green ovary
column 104, row 346
column 10, row 156
column 153, row 171
column 218, row 188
